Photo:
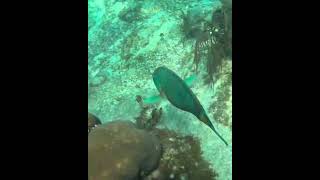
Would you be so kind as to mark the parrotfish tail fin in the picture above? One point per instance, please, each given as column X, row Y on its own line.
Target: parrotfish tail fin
column 215, row 131
column 207, row 121
column 152, row 100
column 190, row 80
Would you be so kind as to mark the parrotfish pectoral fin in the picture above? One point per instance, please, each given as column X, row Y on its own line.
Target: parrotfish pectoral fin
column 152, row 100
column 190, row 80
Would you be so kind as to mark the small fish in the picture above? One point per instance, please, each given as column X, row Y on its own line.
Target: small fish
column 171, row 86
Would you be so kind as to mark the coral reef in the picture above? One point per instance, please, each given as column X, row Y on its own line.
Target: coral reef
column 123, row 150
column 182, row 155
column 118, row 150
column 128, row 39
column 97, row 81
column 220, row 107
column 128, row 46
column 131, row 14
column 149, row 115
column 181, row 159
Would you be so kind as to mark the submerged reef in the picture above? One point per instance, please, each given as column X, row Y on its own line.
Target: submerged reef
column 119, row 150
column 149, row 116
column 221, row 105
column 127, row 41
column 181, row 159
column 181, row 155
column 131, row 14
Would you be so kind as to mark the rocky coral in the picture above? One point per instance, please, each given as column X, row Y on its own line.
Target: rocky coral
column 118, row 150
column 221, row 106
column 125, row 45
column 131, row 14
column 149, row 115
column 128, row 48
column 182, row 156
column 93, row 121
column 181, row 159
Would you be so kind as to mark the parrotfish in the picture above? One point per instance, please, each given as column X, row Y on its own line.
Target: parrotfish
column 179, row 94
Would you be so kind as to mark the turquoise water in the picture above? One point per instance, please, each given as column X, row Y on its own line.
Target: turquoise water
column 129, row 39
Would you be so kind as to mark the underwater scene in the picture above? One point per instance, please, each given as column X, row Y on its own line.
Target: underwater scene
column 159, row 89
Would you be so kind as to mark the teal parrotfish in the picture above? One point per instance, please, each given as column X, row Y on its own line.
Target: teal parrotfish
column 179, row 94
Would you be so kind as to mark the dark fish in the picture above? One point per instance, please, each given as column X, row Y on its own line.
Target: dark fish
column 170, row 85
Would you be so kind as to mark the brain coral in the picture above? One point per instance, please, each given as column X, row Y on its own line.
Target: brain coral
column 119, row 151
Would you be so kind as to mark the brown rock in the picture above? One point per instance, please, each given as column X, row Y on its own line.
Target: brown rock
column 119, row 151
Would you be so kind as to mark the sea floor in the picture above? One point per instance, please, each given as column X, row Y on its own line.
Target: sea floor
column 128, row 40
